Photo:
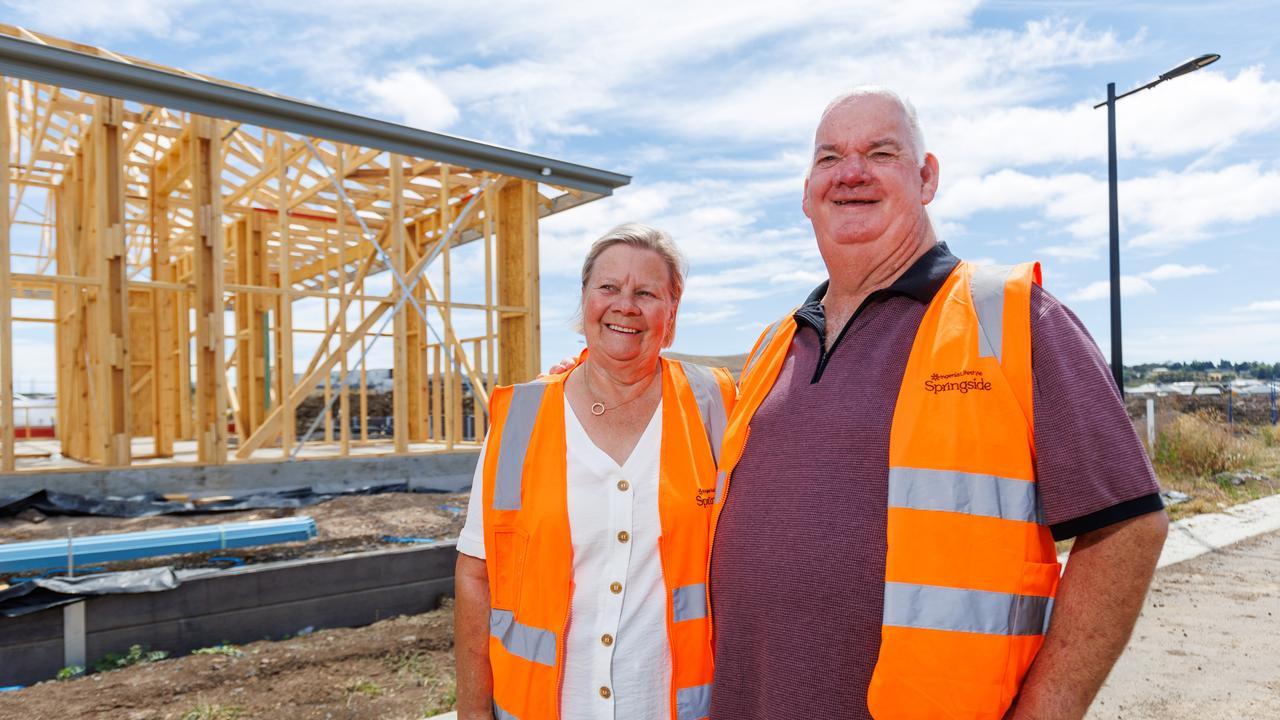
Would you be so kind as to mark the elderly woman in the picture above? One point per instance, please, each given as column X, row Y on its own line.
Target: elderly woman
column 582, row 567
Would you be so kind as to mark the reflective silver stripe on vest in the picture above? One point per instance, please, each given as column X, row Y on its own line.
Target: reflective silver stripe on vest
column 987, row 288
column 719, row 485
column 525, row 641
column 521, row 414
column 961, row 492
column 689, row 602
column 768, row 338
column 500, row 714
column 929, row 607
column 693, row 703
column 710, row 404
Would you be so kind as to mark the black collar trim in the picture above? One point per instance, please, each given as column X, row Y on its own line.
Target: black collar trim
column 921, row 281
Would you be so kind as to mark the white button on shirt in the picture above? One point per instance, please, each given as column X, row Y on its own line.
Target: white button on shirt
column 628, row 675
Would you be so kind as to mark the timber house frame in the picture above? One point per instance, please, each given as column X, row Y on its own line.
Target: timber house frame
column 172, row 222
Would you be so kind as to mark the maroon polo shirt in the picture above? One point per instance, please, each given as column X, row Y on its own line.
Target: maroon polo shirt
column 797, row 565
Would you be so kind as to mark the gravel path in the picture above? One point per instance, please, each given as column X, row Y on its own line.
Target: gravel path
column 1207, row 645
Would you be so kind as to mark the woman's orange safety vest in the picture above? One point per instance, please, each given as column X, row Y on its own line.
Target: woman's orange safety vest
column 530, row 555
column 971, row 571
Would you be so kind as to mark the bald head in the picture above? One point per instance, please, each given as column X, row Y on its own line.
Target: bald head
column 864, row 92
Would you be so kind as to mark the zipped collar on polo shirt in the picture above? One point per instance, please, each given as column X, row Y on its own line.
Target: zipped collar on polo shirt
column 920, row 281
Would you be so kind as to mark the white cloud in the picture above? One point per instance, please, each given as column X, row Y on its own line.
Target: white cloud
column 1070, row 252
column 576, row 63
column 803, row 277
column 1061, row 196
column 1262, row 306
column 1249, row 339
column 708, row 317
column 1130, row 286
column 1199, row 112
column 1159, row 213
column 414, row 98
column 1172, row 271
column 945, row 72
column 1206, row 112
column 713, row 222
column 119, row 18
column 1172, row 209
column 1142, row 284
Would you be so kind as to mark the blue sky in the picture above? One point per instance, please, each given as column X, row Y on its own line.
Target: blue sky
column 711, row 107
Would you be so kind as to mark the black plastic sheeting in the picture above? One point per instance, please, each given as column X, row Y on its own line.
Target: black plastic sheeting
column 50, row 502
column 43, row 593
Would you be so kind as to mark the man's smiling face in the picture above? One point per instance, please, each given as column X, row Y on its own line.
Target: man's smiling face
column 865, row 183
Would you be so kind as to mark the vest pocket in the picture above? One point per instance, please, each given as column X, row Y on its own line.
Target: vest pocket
column 506, row 562
column 1040, row 578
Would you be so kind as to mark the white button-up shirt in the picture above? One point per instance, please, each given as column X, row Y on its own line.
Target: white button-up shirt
column 617, row 656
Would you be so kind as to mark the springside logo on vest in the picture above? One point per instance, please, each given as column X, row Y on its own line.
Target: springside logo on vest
column 961, row 381
column 705, row 497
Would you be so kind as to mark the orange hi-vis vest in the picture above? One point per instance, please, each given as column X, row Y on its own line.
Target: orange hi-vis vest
column 529, row 552
column 971, row 571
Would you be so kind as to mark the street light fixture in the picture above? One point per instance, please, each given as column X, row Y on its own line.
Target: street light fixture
column 1117, row 361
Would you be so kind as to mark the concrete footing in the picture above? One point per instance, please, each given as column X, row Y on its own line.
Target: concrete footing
column 238, row 606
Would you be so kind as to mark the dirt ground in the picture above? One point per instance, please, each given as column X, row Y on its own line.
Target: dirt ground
column 399, row 668
column 392, row 670
column 1205, row 647
column 344, row 524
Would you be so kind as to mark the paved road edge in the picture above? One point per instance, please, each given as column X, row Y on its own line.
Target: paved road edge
column 1194, row 536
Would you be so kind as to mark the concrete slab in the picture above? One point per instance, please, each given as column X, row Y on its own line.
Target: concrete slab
column 1194, row 536
column 1199, row 534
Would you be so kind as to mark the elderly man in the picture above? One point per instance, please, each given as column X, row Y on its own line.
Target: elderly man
column 905, row 449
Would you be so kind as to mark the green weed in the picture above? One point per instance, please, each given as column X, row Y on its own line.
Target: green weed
column 443, row 704
column 208, row 711
column 367, row 688
column 136, row 656
column 224, row 649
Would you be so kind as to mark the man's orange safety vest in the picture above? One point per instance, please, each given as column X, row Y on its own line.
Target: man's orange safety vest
column 971, row 571
column 529, row 552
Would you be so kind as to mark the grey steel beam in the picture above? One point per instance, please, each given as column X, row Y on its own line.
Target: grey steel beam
column 103, row 76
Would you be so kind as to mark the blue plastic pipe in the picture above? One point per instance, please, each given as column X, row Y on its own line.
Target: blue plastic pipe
column 95, row 549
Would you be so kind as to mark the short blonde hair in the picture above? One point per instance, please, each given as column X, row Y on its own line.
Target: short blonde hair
column 645, row 237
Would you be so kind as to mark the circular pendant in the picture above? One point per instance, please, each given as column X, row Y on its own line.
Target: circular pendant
column 597, row 408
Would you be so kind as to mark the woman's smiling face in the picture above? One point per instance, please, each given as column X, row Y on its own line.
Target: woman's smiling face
column 628, row 310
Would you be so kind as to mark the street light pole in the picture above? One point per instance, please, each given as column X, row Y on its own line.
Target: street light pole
column 1117, row 354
